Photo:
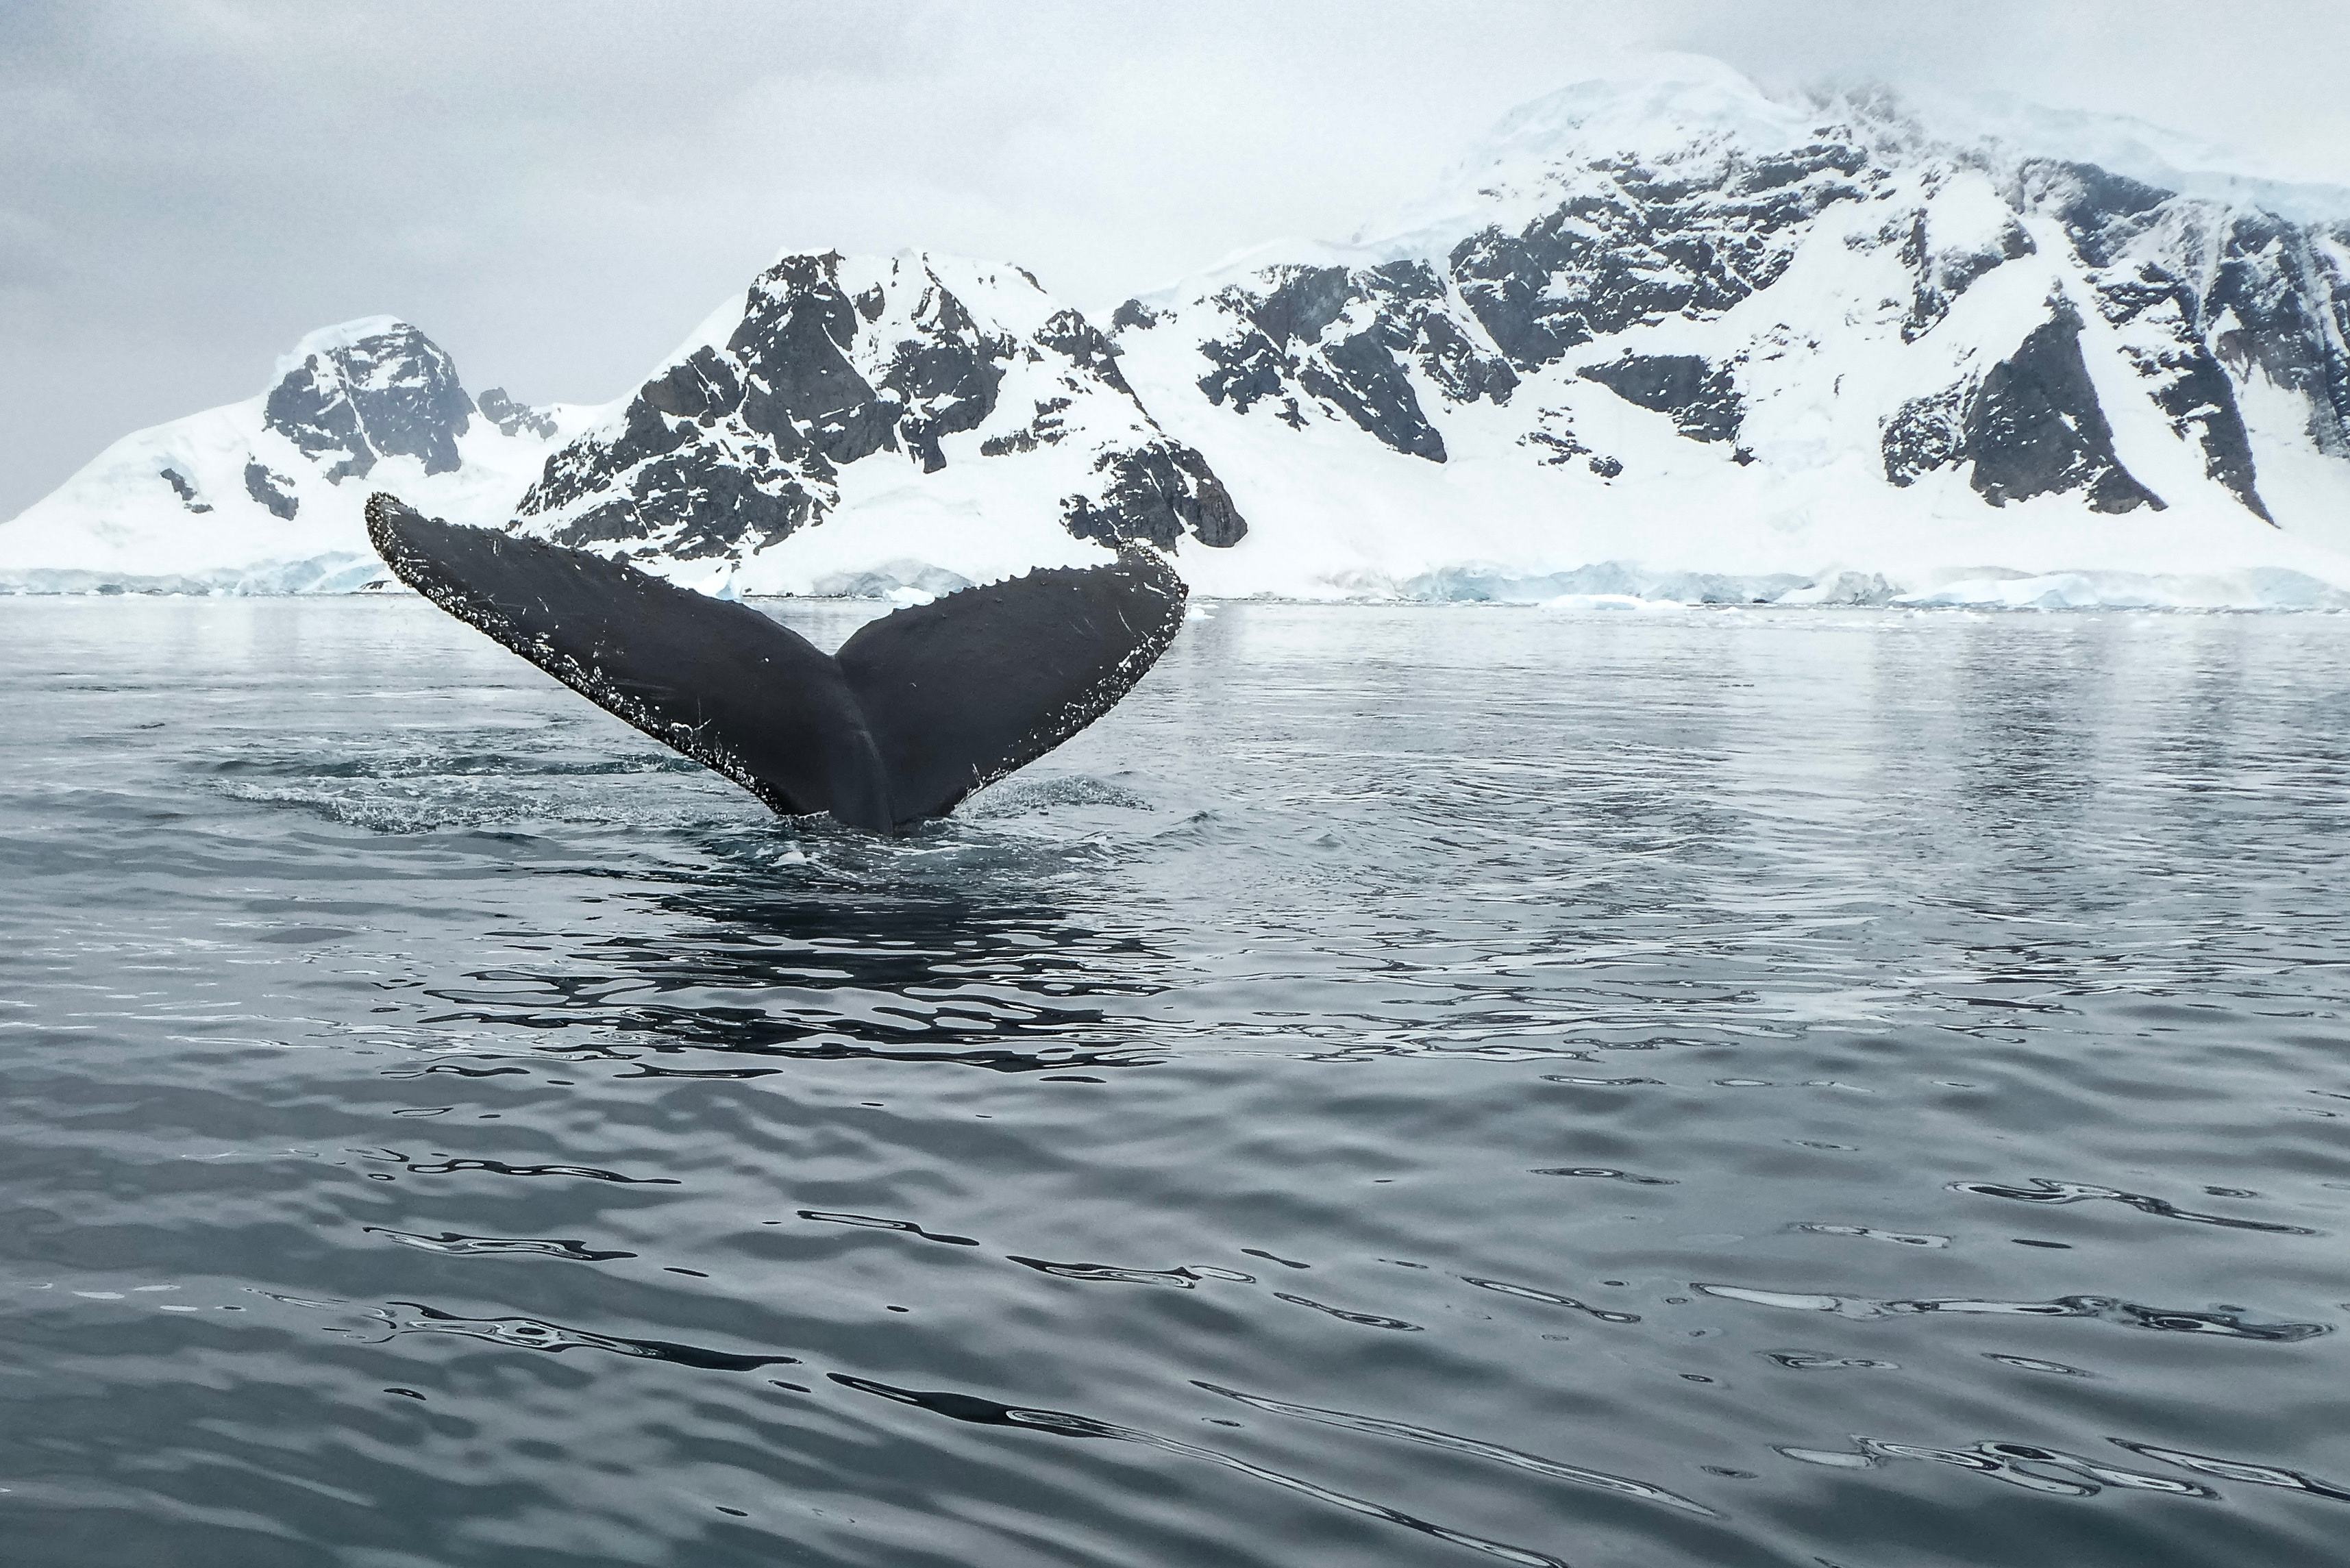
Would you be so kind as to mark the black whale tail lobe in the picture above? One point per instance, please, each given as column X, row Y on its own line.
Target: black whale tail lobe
column 917, row 710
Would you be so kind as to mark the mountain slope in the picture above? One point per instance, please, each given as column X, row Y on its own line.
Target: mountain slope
column 1665, row 329
column 1661, row 335
column 267, row 496
column 863, row 423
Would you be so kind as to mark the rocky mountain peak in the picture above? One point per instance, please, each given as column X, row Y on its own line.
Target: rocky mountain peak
column 512, row 418
column 369, row 389
column 935, row 364
column 256, row 496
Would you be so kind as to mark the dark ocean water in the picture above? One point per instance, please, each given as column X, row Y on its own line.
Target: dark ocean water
column 1410, row 1087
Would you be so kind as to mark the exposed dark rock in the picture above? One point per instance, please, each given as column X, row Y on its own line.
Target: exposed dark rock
column 1405, row 280
column 1157, row 494
column 310, row 408
column 512, row 418
column 699, row 506
column 1245, row 369
column 1302, row 301
column 2201, row 403
column 2236, row 291
column 185, row 491
column 2035, row 427
column 799, row 379
column 702, row 387
column 1344, row 338
column 1648, row 248
column 392, row 393
column 1011, row 442
column 1927, row 433
column 668, row 473
column 1701, row 398
column 1412, row 318
column 2031, row 426
column 2212, row 304
column 271, row 489
column 2274, row 303
column 2184, row 377
column 1462, row 371
column 1556, row 435
column 1132, row 315
column 945, row 378
column 592, row 464
column 731, row 449
column 1362, row 378
column 1070, row 333
column 1047, row 429
column 2100, row 209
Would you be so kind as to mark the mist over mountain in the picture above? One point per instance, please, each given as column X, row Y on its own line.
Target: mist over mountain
column 1661, row 335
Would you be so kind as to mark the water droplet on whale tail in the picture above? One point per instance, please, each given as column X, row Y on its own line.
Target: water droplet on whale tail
column 916, row 710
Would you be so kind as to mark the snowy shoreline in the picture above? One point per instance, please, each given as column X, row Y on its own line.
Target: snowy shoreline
column 2056, row 592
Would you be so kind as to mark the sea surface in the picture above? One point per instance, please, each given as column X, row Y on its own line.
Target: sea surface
column 1409, row 1086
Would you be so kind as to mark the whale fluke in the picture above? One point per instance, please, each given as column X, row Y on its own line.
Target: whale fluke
column 917, row 710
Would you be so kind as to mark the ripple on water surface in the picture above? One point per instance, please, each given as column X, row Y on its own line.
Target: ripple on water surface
column 1412, row 1086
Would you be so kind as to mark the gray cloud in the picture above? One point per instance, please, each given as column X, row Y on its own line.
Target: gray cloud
column 558, row 192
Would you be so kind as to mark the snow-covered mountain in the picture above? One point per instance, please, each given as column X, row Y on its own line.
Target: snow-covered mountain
column 851, row 425
column 1665, row 334
column 1662, row 334
column 267, row 496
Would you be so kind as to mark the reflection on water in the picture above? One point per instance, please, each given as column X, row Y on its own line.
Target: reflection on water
column 1449, row 1084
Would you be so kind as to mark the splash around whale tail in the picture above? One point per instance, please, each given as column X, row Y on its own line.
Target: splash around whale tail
column 914, row 712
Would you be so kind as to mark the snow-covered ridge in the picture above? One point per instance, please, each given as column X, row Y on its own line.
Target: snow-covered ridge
column 2004, row 129
column 339, row 339
column 854, row 423
column 1678, row 107
column 267, row 496
column 1662, row 336
column 1664, row 323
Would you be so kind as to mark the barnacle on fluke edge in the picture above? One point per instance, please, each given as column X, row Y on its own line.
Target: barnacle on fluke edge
column 916, row 710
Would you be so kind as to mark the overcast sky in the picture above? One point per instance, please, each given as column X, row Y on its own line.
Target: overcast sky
column 558, row 192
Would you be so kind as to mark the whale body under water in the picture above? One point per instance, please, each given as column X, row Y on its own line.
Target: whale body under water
column 916, row 710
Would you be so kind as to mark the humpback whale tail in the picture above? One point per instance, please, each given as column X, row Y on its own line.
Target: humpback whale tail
column 915, row 711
